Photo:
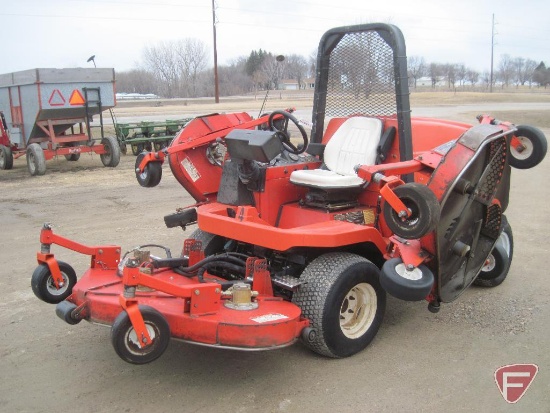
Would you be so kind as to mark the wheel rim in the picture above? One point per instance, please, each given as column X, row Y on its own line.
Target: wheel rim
column 504, row 241
column 2, row 158
column 132, row 343
column 358, row 310
column 32, row 166
column 413, row 275
column 527, row 149
column 50, row 285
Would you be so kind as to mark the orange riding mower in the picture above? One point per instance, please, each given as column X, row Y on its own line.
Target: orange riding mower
column 302, row 238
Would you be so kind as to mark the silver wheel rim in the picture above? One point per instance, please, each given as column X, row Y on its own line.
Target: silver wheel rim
column 50, row 285
column 132, row 343
column 414, row 275
column 504, row 241
column 526, row 152
column 358, row 310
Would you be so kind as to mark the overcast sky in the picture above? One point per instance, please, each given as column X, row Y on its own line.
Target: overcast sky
column 64, row 33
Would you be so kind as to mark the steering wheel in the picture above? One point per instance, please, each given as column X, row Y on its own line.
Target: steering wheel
column 282, row 131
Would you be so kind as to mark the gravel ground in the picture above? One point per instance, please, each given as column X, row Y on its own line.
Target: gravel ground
column 419, row 362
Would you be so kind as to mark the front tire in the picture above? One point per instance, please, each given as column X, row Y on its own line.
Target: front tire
column 126, row 343
column 344, row 302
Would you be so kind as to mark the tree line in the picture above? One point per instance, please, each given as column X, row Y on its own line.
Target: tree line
column 180, row 69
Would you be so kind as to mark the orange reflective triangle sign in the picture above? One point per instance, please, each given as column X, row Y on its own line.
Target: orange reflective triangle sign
column 76, row 98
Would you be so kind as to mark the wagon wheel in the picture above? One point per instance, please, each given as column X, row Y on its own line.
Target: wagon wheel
column 36, row 161
column 125, row 340
column 6, row 157
column 531, row 149
column 343, row 300
column 43, row 285
column 424, row 209
column 111, row 157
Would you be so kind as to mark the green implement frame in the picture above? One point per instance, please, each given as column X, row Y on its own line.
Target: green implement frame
column 148, row 135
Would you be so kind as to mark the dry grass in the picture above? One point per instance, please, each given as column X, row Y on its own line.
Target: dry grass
column 538, row 118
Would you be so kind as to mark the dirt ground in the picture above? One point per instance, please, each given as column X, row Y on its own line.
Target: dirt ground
column 419, row 362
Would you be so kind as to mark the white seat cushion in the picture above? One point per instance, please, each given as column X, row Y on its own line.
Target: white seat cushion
column 354, row 143
column 322, row 178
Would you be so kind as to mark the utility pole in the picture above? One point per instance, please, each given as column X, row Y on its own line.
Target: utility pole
column 216, row 86
column 492, row 53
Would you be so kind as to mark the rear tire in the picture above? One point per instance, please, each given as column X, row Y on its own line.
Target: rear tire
column 151, row 175
column 344, row 302
column 211, row 244
column 6, row 157
column 111, row 157
column 36, row 161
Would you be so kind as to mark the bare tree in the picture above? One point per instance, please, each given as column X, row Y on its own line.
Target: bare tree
column 435, row 71
column 273, row 70
column 191, row 60
column 176, row 65
column 296, row 68
column 136, row 81
column 505, row 70
column 472, row 76
column 461, row 73
column 416, row 67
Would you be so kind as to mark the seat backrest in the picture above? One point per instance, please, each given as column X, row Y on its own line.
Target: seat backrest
column 354, row 143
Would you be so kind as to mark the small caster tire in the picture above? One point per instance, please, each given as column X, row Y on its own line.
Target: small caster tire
column 43, row 285
column 64, row 311
column 408, row 285
column 125, row 341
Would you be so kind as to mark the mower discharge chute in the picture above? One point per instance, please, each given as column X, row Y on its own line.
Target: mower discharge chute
column 304, row 238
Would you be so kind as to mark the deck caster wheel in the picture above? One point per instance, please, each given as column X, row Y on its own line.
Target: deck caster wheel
column 126, row 343
column 43, row 285
column 64, row 311
column 498, row 263
column 424, row 207
column 152, row 173
column 406, row 284
column 344, row 302
column 531, row 150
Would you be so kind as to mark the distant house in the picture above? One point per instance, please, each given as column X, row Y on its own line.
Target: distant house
column 427, row 81
column 292, row 84
column 288, row 84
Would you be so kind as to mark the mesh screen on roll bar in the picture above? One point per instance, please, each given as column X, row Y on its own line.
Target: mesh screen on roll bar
column 361, row 77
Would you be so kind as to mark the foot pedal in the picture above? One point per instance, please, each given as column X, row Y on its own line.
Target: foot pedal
column 287, row 282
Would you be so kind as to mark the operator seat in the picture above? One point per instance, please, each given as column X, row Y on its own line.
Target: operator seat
column 356, row 142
